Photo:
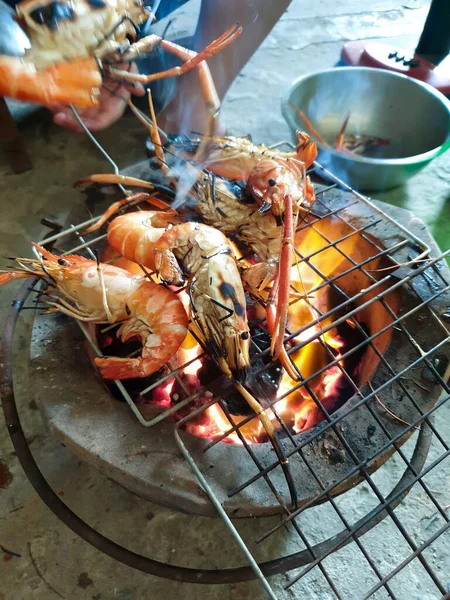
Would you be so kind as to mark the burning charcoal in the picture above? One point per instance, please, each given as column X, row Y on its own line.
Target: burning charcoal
column 212, row 378
column 185, row 385
column 236, row 404
column 183, row 143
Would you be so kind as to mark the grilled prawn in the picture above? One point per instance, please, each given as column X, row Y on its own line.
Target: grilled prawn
column 202, row 256
column 223, row 205
column 235, row 157
column 77, row 43
column 102, row 293
column 278, row 184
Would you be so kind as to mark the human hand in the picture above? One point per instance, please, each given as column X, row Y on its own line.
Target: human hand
column 111, row 107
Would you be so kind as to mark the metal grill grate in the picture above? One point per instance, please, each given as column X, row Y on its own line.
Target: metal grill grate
column 417, row 271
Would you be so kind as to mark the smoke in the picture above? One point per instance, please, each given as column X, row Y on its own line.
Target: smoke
column 186, row 179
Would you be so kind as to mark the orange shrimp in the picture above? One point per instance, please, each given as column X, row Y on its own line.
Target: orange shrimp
column 101, row 293
column 203, row 256
column 76, row 81
column 235, row 157
column 76, row 44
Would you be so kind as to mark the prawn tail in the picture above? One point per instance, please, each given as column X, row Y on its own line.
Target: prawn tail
column 152, row 359
column 126, row 368
column 158, row 319
column 74, row 82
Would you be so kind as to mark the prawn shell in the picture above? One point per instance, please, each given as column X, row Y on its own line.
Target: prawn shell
column 74, row 82
column 112, row 257
column 157, row 317
column 132, row 235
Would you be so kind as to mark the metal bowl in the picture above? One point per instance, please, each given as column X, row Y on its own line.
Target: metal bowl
column 411, row 115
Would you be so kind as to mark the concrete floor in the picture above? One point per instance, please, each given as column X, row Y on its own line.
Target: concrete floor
column 53, row 562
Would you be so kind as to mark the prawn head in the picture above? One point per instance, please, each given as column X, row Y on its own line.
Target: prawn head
column 218, row 309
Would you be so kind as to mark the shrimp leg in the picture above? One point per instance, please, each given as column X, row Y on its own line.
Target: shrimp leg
column 113, row 178
column 282, row 281
column 277, row 310
column 193, row 60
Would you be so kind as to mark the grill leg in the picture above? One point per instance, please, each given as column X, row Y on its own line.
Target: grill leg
column 10, row 141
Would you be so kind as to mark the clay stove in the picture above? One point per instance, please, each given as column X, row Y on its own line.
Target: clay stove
column 373, row 362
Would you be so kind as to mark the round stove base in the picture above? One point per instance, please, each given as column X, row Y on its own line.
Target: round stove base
column 81, row 412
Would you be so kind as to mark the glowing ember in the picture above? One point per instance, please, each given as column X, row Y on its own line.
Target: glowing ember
column 216, row 424
column 162, row 394
column 212, row 422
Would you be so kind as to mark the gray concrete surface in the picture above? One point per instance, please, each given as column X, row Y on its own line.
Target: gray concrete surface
column 53, row 562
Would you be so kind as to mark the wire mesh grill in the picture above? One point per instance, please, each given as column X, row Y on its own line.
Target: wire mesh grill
column 412, row 268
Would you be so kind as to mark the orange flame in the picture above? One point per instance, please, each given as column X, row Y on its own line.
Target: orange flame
column 215, row 424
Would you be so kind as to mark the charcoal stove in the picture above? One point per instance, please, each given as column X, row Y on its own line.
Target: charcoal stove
column 392, row 286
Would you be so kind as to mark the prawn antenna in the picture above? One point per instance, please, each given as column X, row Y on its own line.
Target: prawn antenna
column 141, row 116
column 103, row 289
column 270, row 430
column 41, row 259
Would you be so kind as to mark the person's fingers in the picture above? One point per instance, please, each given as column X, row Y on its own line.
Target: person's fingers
column 110, row 113
column 137, row 89
column 68, row 121
column 111, row 108
column 134, row 87
column 56, row 108
column 126, row 88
